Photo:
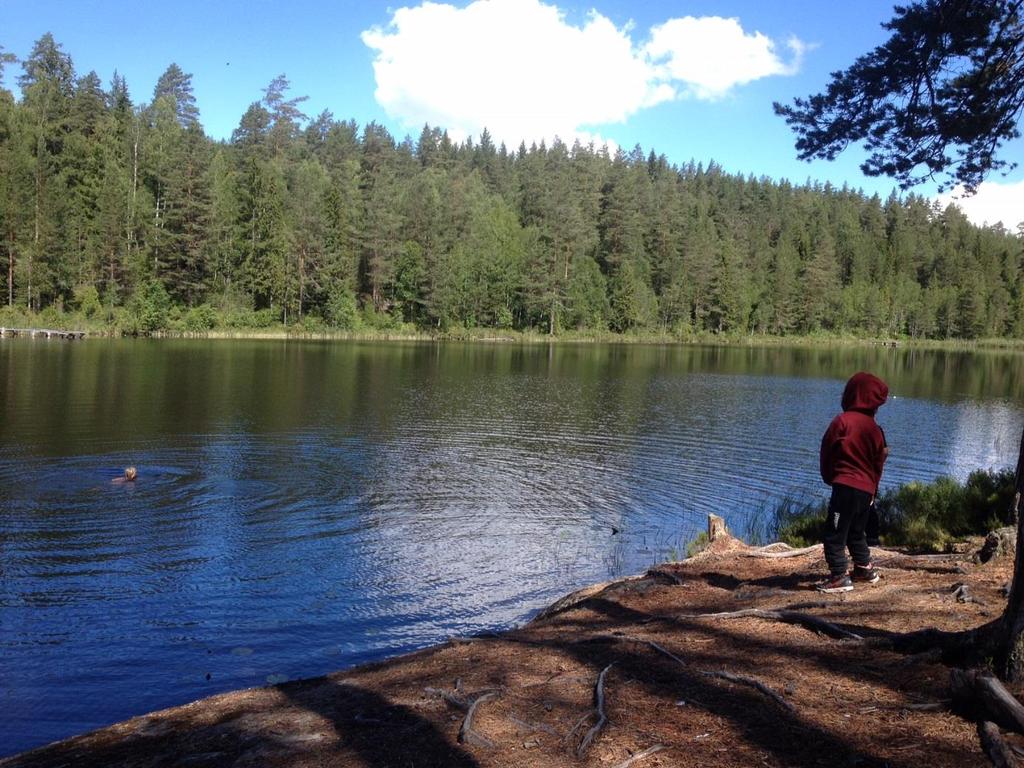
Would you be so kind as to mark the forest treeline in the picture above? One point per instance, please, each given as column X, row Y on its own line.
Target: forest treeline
column 128, row 213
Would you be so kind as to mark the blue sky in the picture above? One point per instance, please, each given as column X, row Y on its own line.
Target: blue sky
column 689, row 79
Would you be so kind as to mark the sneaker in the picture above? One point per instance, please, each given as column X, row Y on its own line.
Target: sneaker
column 835, row 584
column 865, row 573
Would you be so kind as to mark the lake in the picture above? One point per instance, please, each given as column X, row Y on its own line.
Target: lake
column 304, row 506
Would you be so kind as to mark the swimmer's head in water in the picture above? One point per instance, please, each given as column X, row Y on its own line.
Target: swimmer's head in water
column 130, row 473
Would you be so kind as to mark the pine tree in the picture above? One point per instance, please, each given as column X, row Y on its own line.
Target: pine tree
column 308, row 233
column 302, row 217
column 285, row 115
column 175, row 86
column 381, row 217
column 820, row 278
column 47, row 86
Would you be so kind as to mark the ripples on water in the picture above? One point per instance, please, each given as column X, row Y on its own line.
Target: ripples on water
column 303, row 507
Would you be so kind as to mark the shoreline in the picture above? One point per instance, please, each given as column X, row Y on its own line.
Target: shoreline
column 495, row 336
column 704, row 691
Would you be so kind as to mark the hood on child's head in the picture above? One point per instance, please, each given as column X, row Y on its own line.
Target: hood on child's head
column 864, row 392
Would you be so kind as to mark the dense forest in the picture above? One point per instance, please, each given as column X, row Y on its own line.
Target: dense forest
column 128, row 213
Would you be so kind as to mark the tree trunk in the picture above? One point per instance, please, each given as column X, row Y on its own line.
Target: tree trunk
column 130, row 224
column 1018, row 481
column 34, row 253
column 1010, row 640
column 302, row 280
column 10, row 272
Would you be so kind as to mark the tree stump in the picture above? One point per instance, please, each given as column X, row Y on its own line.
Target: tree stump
column 1001, row 542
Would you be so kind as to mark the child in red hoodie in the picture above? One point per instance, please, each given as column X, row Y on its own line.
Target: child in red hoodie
column 853, row 451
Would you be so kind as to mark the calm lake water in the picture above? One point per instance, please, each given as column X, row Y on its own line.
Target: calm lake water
column 305, row 506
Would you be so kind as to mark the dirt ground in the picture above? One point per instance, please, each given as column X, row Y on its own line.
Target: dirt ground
column 625, row 674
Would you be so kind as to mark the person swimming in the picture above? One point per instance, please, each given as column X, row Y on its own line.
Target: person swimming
column 130, row 473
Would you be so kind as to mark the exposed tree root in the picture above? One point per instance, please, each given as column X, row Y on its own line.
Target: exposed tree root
column 810, row 605
column 662, row 574
column 720, row 674
column 963, row 594
column 456, row 701
column 530, row 727
column 813, row 623
column 640, row 756
column 925, row 706
column 931, row 656
column 579, row 724
column 775, row 546
column 956, row 648
column 549, row 680
column 983, row 697
column 468, row 639
column 602, row 718
column 995, row 746
column 927, row 563
column 752, row 682
column 468, row 704
column 776, row 554
column 466, row 733
column 580, row 595
column 651, row 644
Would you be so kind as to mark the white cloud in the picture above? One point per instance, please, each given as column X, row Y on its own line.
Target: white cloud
column 711, row 55
column 519, row 68
column 994, row 202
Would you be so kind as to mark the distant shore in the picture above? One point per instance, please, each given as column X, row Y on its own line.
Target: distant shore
column 503, row 336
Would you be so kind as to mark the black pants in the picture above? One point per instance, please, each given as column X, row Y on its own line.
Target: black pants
column 848, row 511
column 871, row 529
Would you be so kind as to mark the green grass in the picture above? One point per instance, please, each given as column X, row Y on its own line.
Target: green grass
column 151, row 313
column 698, row 544
column 925, row 517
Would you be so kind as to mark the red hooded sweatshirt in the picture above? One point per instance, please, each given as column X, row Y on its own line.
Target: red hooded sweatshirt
column 853, row 447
